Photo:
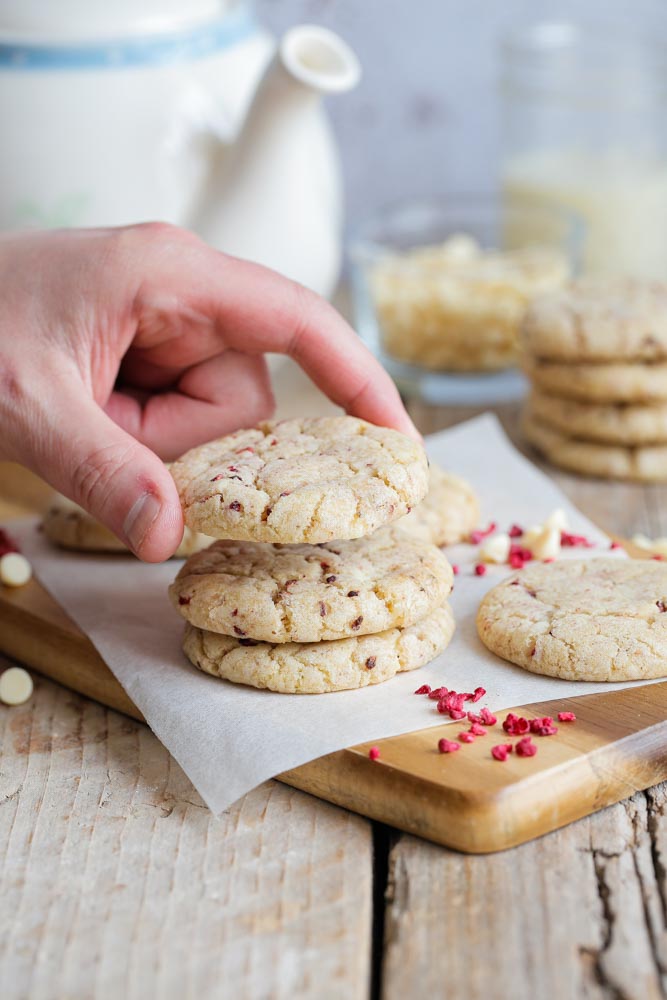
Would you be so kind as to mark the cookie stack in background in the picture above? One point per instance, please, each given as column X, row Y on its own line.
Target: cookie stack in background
column 313, row 587
column 596, row 355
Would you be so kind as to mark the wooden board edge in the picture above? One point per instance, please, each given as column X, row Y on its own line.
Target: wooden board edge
column 67, row 649
column 489, row 822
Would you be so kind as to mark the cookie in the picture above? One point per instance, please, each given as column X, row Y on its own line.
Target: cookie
column 306, row 593
column 647, row 464
column 318, row 667
column 305, row 480
column 71, row 527
column 448, row 512
column 631, row 424
column 586, row 620
column 601, row 383
column 596, row 320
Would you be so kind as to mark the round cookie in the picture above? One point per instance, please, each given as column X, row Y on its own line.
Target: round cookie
column 609, row 423
column 598, row 320
column 71, row 527
column 601, row 383
column 318, row 667
column 647, row 464
column 309, row 593
column 448, row 512
column 304, row 480
column 586, row 620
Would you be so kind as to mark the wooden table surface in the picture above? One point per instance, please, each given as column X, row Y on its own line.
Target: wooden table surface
column 116, row 882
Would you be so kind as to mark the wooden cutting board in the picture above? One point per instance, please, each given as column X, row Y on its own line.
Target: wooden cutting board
column 465, row 800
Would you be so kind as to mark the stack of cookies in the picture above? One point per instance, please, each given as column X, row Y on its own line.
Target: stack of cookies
column 312, row 587
column 596, row 354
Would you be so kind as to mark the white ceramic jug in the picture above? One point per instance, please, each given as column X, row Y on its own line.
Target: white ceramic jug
column 112, row 113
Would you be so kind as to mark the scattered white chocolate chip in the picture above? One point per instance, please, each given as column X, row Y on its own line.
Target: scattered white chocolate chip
column 15, row 686
column 557, row 519
column 531, row 535
column 642, row 541
column 547, row 544
column 15, row 570
column 495, row 549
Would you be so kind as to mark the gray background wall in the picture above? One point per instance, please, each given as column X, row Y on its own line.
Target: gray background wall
column 424, row 120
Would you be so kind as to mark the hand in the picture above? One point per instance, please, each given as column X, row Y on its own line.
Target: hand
column 119, row 345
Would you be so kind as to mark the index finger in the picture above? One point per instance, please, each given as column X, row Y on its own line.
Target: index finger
column 255, row 310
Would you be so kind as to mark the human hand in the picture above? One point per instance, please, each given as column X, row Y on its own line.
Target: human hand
column 119, row 345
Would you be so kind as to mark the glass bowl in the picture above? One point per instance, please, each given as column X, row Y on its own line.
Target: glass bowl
column 439, row 291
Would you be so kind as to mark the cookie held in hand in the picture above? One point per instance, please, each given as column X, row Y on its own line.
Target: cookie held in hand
column 304, row 480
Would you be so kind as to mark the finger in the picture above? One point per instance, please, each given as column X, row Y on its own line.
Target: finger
column 214, row 398
column 255, row 310
column 115, row 478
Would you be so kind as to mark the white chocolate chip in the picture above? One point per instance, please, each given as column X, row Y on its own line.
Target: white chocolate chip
column 547, row 544
column 495, row 549
column 15, row 570
column 642, row 541
column 15, row 686
column 558, row 519
column 529, row 536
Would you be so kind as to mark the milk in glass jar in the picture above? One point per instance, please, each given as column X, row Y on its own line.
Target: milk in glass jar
column 585, row 127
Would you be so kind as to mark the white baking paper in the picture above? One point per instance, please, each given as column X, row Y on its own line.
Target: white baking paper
column 229, row 738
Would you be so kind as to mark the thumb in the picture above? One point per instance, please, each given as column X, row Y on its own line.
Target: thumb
column 116, row 479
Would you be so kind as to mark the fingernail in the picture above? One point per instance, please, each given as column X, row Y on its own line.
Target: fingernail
column 140, row 519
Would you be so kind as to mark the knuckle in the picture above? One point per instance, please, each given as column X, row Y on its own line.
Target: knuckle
column 152, row 235
column 93, row 475
column 304, row 310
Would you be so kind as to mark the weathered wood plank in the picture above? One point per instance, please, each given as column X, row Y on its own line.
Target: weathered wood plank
column 115, row 880
column 580, row 913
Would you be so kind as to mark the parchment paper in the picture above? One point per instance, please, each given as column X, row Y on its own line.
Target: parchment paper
column 229, row 738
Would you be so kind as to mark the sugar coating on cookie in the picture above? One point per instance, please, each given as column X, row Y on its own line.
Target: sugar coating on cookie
column 629, row 424
column 630, row 382
column 69, row 526
column 642, row 464
column 319, row 667
column 448, row 512
column 305, row 480
column 589, row 620
column 306, row 593
column 599, row 320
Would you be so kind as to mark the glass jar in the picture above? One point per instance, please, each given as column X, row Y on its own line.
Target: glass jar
column 439, row 299
column 584, row 125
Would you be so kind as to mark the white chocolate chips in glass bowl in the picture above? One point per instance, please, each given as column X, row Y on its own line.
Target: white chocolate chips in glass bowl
column 457, row 307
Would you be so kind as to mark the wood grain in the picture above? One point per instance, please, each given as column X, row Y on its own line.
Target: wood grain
column 579, row 914
column 116, row 881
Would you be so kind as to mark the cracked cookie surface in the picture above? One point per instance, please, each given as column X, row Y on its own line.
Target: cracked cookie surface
column 620, row 319
column 588, row 620
column 306, row 480
column 71, row 527
column 307, row 593
column 319, row 667
column 448, row 512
